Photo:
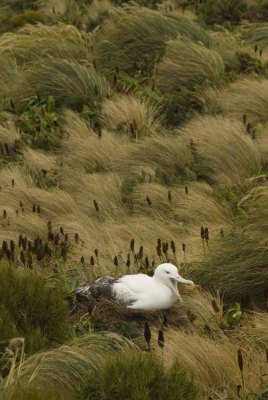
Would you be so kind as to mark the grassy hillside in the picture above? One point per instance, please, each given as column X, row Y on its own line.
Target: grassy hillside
column 133, row 133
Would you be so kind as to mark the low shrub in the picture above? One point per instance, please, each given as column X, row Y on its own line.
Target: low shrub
column 30, row 309
column 139, row 376
column 222, row 11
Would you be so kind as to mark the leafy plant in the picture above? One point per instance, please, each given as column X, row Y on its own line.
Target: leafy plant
column 233, row 315
column 38, row 123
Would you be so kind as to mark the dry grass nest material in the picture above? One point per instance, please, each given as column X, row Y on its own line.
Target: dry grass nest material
column 106, row 314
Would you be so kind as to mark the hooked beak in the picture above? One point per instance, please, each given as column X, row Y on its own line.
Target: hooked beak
column 180, row 279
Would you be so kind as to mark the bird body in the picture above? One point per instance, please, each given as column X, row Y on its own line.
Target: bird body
column 139, row 291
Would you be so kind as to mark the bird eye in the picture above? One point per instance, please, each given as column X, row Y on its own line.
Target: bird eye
column 167, row 272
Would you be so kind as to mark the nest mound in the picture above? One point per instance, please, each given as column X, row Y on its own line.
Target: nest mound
column 107, row 315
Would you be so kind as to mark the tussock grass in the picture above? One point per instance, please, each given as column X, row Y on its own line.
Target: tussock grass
column 234, row 273
column 70, row 84
column 225, row 154
column 62, row 369
column 37, row 161
column 130, row 115
column 258, row 35
column 245, row 97
column 105, row 188
column 188, row 64
column 191, row 210
column 83, row 148
column 98, row 12
column 9, row 77
column 34, row 41
column 37, row 311
column 212, row 363
column 9, row 134
column 162, row 155
column 137, row 35
column 139, row 376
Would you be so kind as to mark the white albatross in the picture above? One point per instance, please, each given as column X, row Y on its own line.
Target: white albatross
column 139, row 291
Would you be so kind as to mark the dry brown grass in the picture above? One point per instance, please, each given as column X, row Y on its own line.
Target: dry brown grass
column 34, row 41
column 213, row 363
column 163, row 155
column 191, row 210
column 130, row 115
column 227, row 154
column 82, row 148
column 245, row 97
column 188, row 64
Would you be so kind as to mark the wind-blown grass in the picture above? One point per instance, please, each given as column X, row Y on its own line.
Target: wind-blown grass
column 70, row 84
column 34, row 41
column 83, row 149
column 188, row 64
column 36, row 311
column 258, row 35
column 245, row 97
column 129, row 115
column 64, row 368
column 224, row 153
column 135, row 39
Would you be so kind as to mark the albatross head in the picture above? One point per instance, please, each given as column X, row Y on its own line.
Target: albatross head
column 168, row 275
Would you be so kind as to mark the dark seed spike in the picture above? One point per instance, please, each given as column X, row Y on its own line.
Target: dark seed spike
column 147, row 334
column 244, row 119
column 38, row 209
column 169, row 196
column 82, row 259
column 140, row 254
column 4, row 214
column 76, row 238
column 20, row 240
column 161, row 339
column 173, row 247
column 132, row 245
column 116, row 261
column 34, row 208
column 13, row 182
column 183, row 247
column 149, row 201
column 186, row 190
column 266, row 354
column 206, row 234
column 7, row 148
column 61, row 230
column 92, row 261
column 96, row 252
column 50, row 236
column 147, row 265
column 12, row 246
column 215, row 306
column 22, row 257
column 96, row 206
column 128, row 263
column 202, row 232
